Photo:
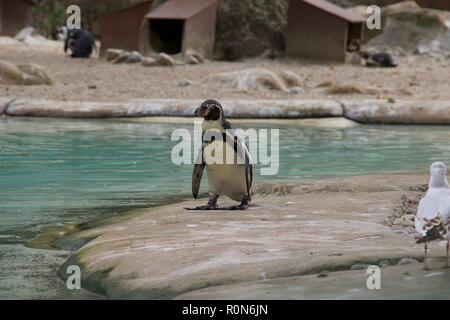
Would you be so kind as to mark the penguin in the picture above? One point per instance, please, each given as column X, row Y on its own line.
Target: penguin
column 432, row 220
column 378, row 59
column 80, row 42
column 234, row 179
column 354, row 46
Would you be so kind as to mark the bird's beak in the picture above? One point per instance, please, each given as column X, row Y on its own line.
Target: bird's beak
column 198, row 112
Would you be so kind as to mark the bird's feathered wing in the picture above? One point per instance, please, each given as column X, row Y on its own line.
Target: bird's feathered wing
column 433, row 215
column 384, row 59
column 248, row 171
column 248, row 160
column 197, row 174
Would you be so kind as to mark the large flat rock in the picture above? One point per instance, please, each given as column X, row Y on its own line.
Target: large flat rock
column 290, row 230
column 397, row 282
column 398, row 112
column 167, row 107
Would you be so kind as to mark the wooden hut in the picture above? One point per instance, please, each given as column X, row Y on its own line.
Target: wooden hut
column 177, row 25
column 122, row 29
column 321, row 30
column 14, row 16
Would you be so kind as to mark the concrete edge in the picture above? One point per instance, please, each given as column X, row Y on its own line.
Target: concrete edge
column 264, row 109
column 399, row 112
column 413, row 112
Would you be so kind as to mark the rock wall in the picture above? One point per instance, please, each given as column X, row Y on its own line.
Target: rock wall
column 408, row 26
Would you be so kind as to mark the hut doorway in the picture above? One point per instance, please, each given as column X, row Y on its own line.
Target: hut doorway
column 166, row 35
column 354, row 36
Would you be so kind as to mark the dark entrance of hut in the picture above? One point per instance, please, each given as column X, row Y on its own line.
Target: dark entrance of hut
column 177, row 25
column 354, row 36
column 166, row 35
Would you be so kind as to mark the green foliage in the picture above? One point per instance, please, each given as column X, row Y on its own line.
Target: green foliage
column 391, row 100
column 250, row 26
column 48, row 15
column 428, row 21
column 424, row 20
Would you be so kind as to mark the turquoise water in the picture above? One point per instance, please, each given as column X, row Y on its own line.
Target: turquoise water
column 55, row 171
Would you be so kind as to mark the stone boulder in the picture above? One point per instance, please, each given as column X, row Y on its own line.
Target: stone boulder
column 192, row 56
column 112, row 54
column 351, row 88
column 398, row 112
column 407, row 25
column 4, row 102
column 134, row 57
column 9, row 41
column 117, row 56
column 254, row 79
column 165, row 60
column 149, row 62
column 25, row 33
column 30, row 37
column 121, row 58
column 28, row 74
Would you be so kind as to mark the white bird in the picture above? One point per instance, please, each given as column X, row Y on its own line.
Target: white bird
column 433, row 215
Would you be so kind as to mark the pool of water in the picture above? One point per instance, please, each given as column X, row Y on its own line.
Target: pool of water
column 59, row 171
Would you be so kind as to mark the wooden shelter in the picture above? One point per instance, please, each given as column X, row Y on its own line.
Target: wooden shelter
column 14, row 16
column 321, row 30
column 122, row 29
column 177, row 25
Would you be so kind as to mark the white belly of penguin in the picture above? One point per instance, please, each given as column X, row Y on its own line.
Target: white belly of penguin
column 226, row 179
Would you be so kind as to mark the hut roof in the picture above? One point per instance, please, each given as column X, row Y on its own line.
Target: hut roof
column 131, row 6
column 348, row 15
column 180, row 9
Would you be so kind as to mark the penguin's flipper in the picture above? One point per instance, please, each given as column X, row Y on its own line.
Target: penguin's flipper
column 197, row 178
column 248, row 172
column 197, row 174
column 239, row 145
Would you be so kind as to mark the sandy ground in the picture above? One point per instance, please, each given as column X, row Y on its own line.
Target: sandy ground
column 290, row 231
column 417, row 77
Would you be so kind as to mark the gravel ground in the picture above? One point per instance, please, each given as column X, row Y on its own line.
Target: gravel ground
column 417, row 77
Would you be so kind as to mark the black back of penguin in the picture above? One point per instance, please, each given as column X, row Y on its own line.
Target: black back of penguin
column 80, row 42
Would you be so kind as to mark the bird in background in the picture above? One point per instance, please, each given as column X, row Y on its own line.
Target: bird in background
column 433, row 214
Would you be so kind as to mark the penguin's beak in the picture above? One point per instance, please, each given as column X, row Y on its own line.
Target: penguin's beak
column 198, row 112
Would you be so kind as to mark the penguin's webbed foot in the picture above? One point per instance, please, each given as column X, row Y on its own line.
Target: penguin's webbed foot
column 426, row 268
column 244, row 205
column 205, row 207
column 212, row 204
